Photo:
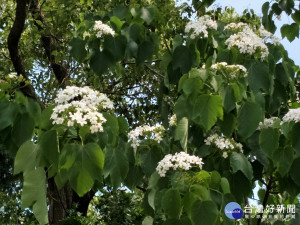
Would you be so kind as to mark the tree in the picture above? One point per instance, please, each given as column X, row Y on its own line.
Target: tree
column 192, row 113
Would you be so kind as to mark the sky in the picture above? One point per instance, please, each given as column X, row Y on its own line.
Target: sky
column 240, row 5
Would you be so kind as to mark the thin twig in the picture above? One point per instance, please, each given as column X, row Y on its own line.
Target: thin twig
column 154, row 71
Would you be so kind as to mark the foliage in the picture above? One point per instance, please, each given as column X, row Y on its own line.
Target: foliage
column 175, row 73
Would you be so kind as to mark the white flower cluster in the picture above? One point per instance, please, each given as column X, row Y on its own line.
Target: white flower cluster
column 268, row 123
column 180, row 160
column 173, row 121
column 13, row 75
column 222, row 143
column 102, row 29
column 152, row 132
column 201, row 26
column 247, row 42
column 234, row 70
column 292, row 115
column 236, row 26
column 268, row 36
column 81, row 106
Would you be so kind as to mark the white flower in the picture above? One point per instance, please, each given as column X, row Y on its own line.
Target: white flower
column 173, row 121
column 268, row 36
column 102, row 29
column 268, row 123
column 86, row 34
column 247, row 41
column 12, row 75
column 292, row 115
column 180, row 160
column 225, row 144
column 201, row 27
column 236, row 26
column 81, row 106
column 154, row 133
column 233, row 71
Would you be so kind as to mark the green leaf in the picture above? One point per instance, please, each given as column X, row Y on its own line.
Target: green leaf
column 240, row 186
column 229, row 99
column 259, row 77
column 34, row 194
column 181, row 107
column 283, row 158
column 45, row 121
column 249, row 116
column 207, row 109
column 48, row 152
column 203, row 178
column 123, row 125
column 239, row 162
column 147, row 221
column 86, row 168
column 112, row 128
column 23, row 128
column 296, row 16
column 192, row 86
column 215, row 180
column 294, row 171
column 67, row 158
column 204, row 213
column 269, row 141
column 78, row 50
column 188, row 200
column 151, row 198
column 281, row 74
column 182, row 59
column 116, row 46
column 177, row 41
column 101, row 61
column 131, row 49
column 228, row 125
column 287, row 5
column 120, row 11
column 134, row 176
column 290, row 31
column 201, row 191
column 116, row 164
column 267, row 19
column 295, row 137
column 149, row 155
column 171, row 203
column 147, row 14
column 34, row 109
column 117, row 22
column 181, row 132
column 225, row 185
column 8, row 112
column 145, row 52
column 26, row 158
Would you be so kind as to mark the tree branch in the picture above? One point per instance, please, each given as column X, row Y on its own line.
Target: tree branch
column 154, row 71
column 48, row 42
column 267, row 194
column 13, row 47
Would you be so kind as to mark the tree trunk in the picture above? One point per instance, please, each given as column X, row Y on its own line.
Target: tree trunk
column 61, row 201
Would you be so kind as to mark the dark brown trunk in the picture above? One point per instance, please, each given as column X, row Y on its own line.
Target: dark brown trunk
column 61, row 201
